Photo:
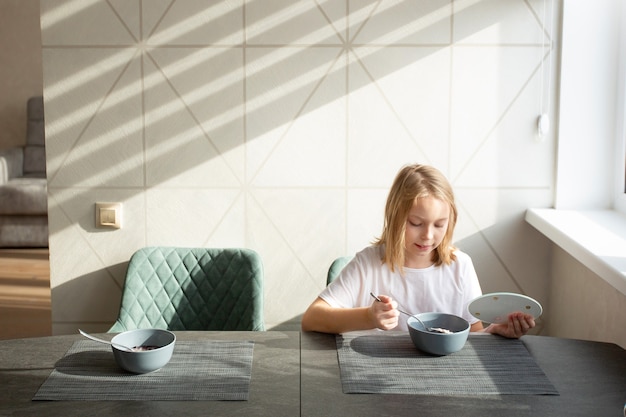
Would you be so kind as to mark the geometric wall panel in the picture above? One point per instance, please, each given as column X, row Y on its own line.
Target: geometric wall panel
column 279, row 126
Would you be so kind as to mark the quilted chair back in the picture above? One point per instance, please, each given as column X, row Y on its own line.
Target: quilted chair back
column 192, row 289
column 336, row 267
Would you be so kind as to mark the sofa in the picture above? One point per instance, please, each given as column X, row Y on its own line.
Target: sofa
column 23, row 186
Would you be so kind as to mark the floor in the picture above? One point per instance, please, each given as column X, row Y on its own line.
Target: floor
column 24, row 293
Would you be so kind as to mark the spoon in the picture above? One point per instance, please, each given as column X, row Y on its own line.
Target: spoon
column 117, row 345
column 428, row 328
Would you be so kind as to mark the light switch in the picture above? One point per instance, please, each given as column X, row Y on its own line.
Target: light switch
column 109, row 215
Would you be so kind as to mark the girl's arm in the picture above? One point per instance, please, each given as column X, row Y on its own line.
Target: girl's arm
column 477, row 327
column 321, row 317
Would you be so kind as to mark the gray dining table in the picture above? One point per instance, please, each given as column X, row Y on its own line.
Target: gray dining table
column 298, row 374
column 590, row 378
column 274, row 390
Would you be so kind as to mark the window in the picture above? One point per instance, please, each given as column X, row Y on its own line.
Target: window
column 589, row 217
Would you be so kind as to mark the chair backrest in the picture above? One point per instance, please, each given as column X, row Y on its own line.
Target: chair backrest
column 336, row 267
column 35, row 149
column 192, row 289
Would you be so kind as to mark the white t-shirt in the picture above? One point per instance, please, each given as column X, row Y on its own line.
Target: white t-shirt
column 445, row 288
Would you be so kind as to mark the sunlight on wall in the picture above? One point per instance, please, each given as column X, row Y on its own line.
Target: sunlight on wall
column 279, row 126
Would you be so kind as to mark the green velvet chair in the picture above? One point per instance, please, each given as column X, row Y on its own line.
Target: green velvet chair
column 336, row 267
column 192, row 289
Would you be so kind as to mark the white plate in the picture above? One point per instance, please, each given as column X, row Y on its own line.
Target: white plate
column 496, row 307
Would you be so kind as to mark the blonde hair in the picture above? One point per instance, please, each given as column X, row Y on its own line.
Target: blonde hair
column 411, row 183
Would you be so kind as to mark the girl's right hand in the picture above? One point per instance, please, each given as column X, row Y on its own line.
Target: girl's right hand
column 384, row 313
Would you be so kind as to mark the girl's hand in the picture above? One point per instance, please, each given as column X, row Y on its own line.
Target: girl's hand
column 383, row 313
column 517, row 326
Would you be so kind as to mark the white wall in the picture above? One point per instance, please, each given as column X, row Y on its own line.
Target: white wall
column 279, row 126
column 582, row 305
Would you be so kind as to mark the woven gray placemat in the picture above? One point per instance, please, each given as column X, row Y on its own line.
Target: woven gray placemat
column 389, row 363
column 199, row 370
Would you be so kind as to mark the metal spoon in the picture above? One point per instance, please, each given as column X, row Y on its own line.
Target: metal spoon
column 428, row 328
column 117, row 345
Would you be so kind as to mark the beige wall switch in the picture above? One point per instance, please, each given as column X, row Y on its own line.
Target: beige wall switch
column 109, row 215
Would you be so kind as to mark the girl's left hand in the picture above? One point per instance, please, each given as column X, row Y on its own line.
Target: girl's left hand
column 517, row 326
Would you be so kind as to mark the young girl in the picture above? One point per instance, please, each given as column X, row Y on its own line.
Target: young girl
column 412, row 267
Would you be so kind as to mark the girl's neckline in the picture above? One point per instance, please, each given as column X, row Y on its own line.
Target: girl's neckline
column 431, row 266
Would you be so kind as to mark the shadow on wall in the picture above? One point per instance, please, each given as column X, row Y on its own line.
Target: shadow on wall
column 151, row 131
column 500, row 268
column 292, row 324
column 99, row 314
column 157, row 98
column 496, row 272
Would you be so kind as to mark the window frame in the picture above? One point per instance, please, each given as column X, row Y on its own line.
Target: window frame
column 619, row 196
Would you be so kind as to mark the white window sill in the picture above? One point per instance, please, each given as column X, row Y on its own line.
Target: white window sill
column 595, row 238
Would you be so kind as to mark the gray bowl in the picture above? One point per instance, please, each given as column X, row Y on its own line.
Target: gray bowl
column 439, row 343
column 143, row 361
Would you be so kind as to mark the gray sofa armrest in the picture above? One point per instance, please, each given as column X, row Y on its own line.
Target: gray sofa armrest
column 11, row 163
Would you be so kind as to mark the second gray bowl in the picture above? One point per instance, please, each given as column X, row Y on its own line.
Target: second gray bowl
column 158, row 345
